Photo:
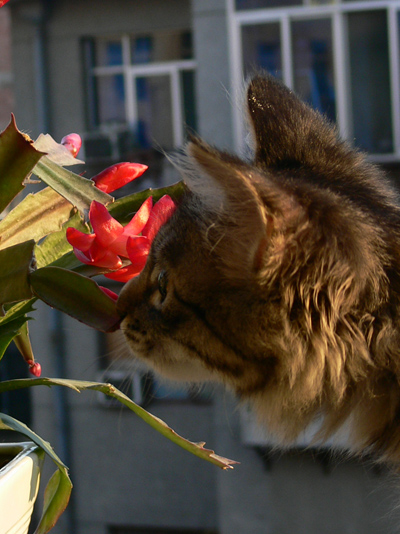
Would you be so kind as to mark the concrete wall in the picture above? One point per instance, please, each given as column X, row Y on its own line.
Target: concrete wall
column 210, row 33
column 67, row 23
column 6, row 77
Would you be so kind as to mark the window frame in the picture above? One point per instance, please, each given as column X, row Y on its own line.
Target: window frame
column 337, row 11
column 131, row 72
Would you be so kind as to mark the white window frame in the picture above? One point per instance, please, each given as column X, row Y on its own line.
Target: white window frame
column 337, row 11
column 131, row 72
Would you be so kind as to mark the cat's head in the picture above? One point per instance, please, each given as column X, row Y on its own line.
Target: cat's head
column 236, row 278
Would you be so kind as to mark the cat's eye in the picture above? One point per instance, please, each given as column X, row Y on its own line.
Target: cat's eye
column 162, row 284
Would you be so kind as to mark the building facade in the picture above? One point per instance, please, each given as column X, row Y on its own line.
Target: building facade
column 132, row 77
column 6, row 77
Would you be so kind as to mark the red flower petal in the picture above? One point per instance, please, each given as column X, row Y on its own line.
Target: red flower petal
column 73, row 142
column 108, row 260
column 138, row 247
column 119, row 246
column 139, row 220
column 118, row 175
column 126, row 273
column 79, row 240
column 133, row 228
column 106, row 228
column 162, row 211
column 109, row 293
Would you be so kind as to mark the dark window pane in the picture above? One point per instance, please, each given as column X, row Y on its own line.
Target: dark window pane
column 108, row 53
column 370, row 82
column 189, row 102
column 313, row 64
column 255, row 4
column 142, row 50
column 89, row 54
column 154, row 126
column 262, row 49
column 110, row 99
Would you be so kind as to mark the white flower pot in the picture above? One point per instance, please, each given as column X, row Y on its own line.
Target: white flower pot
column 20, row 465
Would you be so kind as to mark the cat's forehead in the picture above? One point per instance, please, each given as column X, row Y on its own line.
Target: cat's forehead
column 179, row 237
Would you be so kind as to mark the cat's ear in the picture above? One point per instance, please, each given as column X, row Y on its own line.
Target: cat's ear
column 286, row 131
column 242, row 221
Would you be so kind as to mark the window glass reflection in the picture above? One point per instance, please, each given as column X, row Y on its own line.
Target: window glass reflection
column 313, row 64
column 262, row 49
column 154, row 108
column 110, row 99
column 370, row 82
column 108, row 53
column 255, row 4
column 189, row 100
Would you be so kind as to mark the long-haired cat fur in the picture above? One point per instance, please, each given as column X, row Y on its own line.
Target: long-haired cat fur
column 280, row 277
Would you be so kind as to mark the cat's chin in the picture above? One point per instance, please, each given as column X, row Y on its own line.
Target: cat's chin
column 172, row 362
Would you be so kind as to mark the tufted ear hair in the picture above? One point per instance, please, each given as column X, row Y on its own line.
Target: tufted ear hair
column 287, row 132
column 245, row 206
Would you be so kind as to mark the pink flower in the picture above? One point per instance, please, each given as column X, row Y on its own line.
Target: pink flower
column 73, row 142
column 118, row 175
column 34, row 367
column 118, row 248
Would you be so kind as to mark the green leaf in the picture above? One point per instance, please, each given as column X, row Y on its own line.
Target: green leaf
column 124, row 208
column 9, row 331
column 55, row 246
column 56, row 498
column 77, row 296
column 13, row 324
column 23, row 342
column 109, row 390
column 77, row 190
column 35, row 217
column 17, row 310
column 17, row 159
column 59, row 487
column 16, row 264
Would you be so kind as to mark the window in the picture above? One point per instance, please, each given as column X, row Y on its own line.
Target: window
column 255, row 4
column 341, row 57
column 140, row 90
column 370, row 80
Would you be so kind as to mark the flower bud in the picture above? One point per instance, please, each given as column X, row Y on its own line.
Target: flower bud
column 118, row 175
column 73, row 143
column 34, row 368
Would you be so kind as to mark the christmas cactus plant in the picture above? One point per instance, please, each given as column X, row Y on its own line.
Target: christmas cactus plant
column 52, row 244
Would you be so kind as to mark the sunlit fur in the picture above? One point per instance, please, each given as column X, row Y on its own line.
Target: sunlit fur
column 283, row 279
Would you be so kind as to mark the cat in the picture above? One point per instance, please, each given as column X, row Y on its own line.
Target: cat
column 280, row 277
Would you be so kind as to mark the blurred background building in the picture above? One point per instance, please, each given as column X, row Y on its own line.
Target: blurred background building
column 132, row 77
